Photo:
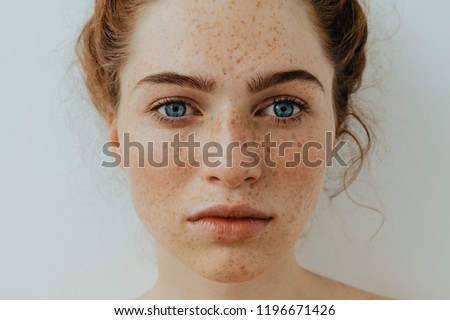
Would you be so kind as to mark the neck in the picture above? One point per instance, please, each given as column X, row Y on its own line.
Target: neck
column 284, row 280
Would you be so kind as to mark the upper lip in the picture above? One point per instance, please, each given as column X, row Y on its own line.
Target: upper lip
column 230, row 212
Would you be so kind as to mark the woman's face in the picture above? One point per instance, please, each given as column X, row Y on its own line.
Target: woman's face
column 231, row 45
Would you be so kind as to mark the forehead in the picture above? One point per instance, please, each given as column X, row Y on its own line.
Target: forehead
column 223, row 37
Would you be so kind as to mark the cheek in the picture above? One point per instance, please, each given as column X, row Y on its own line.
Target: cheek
column 153, row 190
column 297, row 191
column 296, row 182
column 156, row 184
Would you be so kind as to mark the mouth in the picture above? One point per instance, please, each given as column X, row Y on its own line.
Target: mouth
column 230, row 223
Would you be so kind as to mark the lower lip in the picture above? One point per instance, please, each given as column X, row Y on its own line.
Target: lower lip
column 223, row 229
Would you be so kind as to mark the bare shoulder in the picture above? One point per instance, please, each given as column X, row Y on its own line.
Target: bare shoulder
column 329, row 289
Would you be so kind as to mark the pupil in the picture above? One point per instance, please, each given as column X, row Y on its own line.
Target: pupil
column 284, row 109
column 175, row 110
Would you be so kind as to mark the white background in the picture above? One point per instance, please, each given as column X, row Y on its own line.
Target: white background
column 67, row 228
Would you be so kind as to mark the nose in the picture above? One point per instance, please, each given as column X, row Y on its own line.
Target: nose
column 238, row 161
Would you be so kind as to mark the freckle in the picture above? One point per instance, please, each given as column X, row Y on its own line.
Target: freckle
column 238, row 60
column 258, row 4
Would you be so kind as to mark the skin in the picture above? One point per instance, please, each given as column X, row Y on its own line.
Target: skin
column 229, row 41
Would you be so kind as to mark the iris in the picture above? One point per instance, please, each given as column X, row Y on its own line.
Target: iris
column 284, row 109
column 175, row 109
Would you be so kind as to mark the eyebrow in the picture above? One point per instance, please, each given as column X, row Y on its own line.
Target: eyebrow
column 254, row 85
column 267, row 80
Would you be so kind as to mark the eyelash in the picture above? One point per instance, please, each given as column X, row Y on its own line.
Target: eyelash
column 303, row 106
column 169, row 120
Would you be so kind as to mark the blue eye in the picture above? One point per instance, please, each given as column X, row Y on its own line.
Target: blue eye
column 175, row 109
column 172, row 111
column 284, row 109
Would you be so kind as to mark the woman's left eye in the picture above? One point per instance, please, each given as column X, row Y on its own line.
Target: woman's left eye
column 285, row 108
column 282, row 109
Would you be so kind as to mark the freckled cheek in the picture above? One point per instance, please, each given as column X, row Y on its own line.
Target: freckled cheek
column 151, row 194
column 293, row 152
column 297, row 191
column 157, row 192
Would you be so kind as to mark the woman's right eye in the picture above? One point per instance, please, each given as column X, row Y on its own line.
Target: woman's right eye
column 172, row 111
column 174, row 108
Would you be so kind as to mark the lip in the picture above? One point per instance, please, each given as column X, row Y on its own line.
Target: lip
column 230, row 223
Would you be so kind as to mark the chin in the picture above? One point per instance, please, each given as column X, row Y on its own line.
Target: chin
column 233, row 267
column 234, row 276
